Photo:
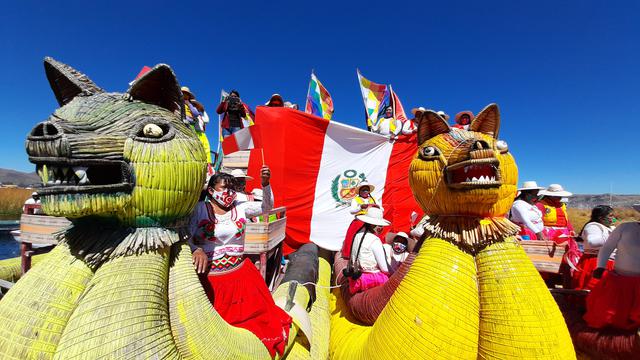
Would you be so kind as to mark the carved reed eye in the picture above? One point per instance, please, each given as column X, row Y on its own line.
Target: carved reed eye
column 502, row 146
column 429, row 153
column 152, row 131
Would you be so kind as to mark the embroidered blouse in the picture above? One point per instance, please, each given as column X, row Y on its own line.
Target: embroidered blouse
column 223, row 235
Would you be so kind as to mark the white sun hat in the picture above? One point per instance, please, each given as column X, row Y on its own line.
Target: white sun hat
column 373, row 216
column 391, row 235
column 530, row 185
column 258, row 194
column 365, row 183
column 237, row 173
column 443, row 115
column 555, row 190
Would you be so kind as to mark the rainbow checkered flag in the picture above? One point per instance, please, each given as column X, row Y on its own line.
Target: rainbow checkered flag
column 372, row 96
column 319, row 102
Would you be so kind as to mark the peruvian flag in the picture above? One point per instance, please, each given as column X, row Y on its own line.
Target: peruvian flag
column 244, row 139
column 316, row 165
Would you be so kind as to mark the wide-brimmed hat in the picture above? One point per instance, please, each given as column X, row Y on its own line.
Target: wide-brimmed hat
column 237, row 173
column 391, row 235
column 555, row 190
column 530, row 185
column 420, row 109
column 34, row 194
column 443, row 115
column 258, row 194
column 365, row 183
column 636, row 207
column 274, row 97
column 185, row 90
column 466, row 112
column 373, row 216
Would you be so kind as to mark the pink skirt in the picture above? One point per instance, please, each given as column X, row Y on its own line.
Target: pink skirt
column 367, row 281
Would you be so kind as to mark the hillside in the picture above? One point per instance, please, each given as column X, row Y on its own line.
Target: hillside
column 22, row 179
column 585, row 201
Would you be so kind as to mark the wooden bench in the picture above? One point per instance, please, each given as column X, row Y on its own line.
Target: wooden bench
column 36, row 236
column 546, row 255
column 264, row 237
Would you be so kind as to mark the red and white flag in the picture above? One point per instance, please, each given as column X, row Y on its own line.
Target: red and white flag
column 244, row 139
column 316, row 166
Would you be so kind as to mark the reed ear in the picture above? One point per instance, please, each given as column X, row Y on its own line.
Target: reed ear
column 67, row 82
column 487, row 121
column 431, row 124
column 159, row 86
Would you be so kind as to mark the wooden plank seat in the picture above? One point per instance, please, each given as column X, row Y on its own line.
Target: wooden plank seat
column 236, row 160
column 264, row 237
column 546, row 255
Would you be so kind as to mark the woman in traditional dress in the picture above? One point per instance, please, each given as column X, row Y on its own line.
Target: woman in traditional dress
column 557, row 226
column 594, row 234
column 359, row 205
column 526, row 214
column 233, row 284
column 615, row 301
column 367, row 254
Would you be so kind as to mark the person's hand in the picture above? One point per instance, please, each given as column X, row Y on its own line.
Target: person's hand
column 265, row 175
column 598, row 272
column 200, row 260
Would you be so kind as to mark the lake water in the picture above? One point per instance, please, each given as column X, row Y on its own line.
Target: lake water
column 8, row 246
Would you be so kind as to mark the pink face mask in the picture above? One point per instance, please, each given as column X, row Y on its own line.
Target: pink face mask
column 224, row 198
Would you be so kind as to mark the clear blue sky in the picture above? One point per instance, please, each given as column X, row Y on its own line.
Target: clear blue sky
column 565, row 73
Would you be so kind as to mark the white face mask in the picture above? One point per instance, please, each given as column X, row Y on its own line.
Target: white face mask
column 224, row 198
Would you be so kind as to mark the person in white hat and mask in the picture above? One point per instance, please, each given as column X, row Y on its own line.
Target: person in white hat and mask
column 615, row 300
column 411, row 126
column 359, row 205
column 526, row 214
column 34, row 202
column 368, row 262
column 557, row 226
column 396, row 250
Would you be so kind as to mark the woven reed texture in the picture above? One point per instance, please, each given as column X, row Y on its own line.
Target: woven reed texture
column 11, row 269
column 427, row 178
column 123, row 313
column 435, row 311
column 36, row 310
column 518, row 316
column 198, row 330
column 366, row 306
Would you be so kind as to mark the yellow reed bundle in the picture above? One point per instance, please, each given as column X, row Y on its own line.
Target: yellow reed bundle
column 11, row 269
column 35, row 312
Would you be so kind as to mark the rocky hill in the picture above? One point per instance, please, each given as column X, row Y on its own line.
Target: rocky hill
column 584, row 201
column 19, row 178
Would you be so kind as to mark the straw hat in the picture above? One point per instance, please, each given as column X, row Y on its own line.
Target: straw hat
column 258, row 194
column 391, row 235
column 365, row 183
column 373, row 216
column 636, row 207
column 443, row 115
column 466, row 112
column 530, row 185
column 415, row 111
column 555, row 190
column 185, row 90
column 237, row 173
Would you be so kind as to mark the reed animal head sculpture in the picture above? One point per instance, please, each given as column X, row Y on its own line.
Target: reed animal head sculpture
column 124, row 156
column 459, row 172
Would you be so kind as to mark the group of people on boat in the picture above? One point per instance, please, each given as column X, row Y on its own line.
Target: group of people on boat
column 390, row 125
column 608, row 265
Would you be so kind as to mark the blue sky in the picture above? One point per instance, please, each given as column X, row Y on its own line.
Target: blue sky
column 565, row 73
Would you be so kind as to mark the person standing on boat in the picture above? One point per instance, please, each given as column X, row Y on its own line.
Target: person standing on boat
column 557, row 226
column 387, row 125
column 275, row 101
column 233, row 284
column 196, row 118
column 234, row 111
column 359, row 205
column 396, row 250
column 526, row 214
column 411, row 126
column 615, row 300
column 463, row 119
column 594, row 234
column 367, row 253
column 34, row 205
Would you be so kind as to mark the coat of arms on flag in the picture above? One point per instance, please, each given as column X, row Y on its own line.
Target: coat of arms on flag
column 344, row 186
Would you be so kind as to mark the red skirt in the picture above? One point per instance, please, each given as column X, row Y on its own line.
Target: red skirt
column 243, row 300
column 354, row 227
column 614, row 302
column 583, row 278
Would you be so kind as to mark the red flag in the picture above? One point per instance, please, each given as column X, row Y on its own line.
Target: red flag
column 244, row 139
